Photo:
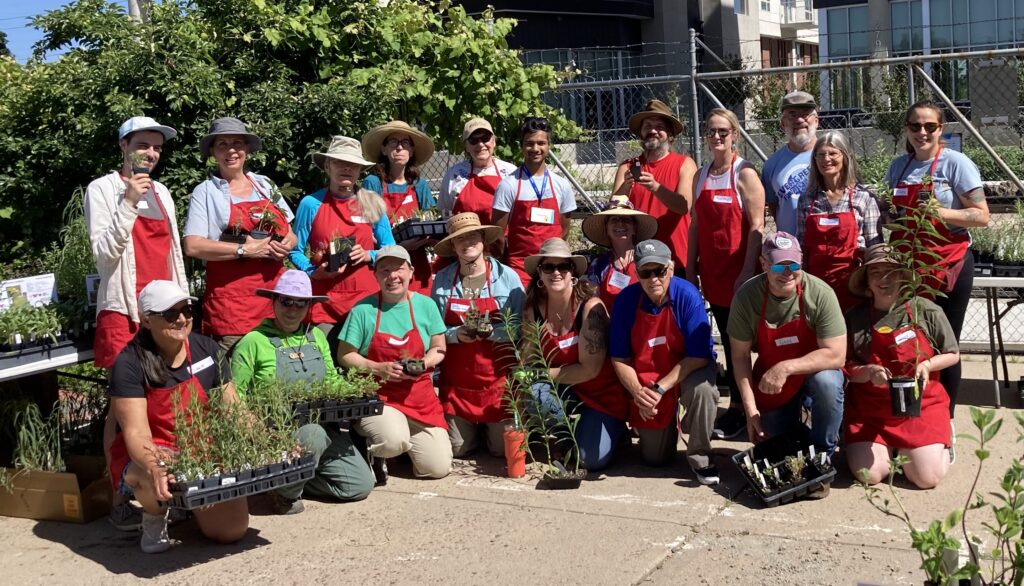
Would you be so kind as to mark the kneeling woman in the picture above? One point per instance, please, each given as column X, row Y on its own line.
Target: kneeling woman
column 383, row 333
column 575, row 333
column 163, row 360
column 289, row 351
column 883, row 343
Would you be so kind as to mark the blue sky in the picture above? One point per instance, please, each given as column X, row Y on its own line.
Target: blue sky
column 14, row 20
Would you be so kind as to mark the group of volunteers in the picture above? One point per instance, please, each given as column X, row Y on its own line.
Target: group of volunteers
column 626, row 334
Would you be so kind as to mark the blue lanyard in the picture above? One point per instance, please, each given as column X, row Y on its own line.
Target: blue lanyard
column 543, row 183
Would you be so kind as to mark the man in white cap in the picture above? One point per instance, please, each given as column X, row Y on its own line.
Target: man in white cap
column 786, row 172
column 134, row 237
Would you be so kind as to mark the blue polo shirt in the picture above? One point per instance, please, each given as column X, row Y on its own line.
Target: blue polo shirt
column 687, row 308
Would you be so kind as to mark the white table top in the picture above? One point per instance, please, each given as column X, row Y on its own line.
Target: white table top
column 1007, row 282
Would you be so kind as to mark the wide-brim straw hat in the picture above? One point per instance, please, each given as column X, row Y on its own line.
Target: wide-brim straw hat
column 342, row 148
column 875, row 254
column 374, row 139
column 232, row 126
column 655, row 108
column 595, row 227
column 555, row 248
column 462, row 224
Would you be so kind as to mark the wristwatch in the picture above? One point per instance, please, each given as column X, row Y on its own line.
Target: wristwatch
column 658, row 388
column 241, row 251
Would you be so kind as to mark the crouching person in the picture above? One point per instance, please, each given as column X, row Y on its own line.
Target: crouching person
column 399, row 336
column 163, row 360
column 288, row 350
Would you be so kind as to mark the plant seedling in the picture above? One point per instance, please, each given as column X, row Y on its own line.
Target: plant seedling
column 339, row 252
column 140, row 166
column 413, row 366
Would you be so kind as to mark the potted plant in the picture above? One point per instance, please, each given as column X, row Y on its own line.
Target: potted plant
column 140, row 166
column 412, row 366
column 339, row 250
column 266, row 225
column 350, row 396
column 235, row 234
column 423, row 224
column 784, row 468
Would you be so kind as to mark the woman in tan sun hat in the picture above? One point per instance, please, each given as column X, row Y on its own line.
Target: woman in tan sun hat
column 340, row 210
column 472, row 381
column 574, row 337
column 619, row 227
column 398, row 151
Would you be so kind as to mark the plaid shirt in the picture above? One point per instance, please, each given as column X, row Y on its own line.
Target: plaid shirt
column 865, row 209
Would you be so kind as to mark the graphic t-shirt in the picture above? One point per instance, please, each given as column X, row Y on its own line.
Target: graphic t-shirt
column 785, row 176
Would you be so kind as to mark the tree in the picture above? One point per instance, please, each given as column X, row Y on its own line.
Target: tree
column 4, row 51
column 298, row 71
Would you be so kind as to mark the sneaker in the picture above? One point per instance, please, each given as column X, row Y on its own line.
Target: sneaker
column 177, row 516
column 707, row 475
column 126, row 516
column 732, row 423
column 154, row 533
column 283, row 505
column 820, row 492
column 380, row 470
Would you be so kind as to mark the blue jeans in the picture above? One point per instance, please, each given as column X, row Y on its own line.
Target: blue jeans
column 597, row 433
column 822, row 394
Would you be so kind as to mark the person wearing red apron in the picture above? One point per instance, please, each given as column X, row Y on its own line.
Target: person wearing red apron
column 413, row 420
column 619, row 228
column 530, row 215
column 830, row 245
column 135, row 465
column 660, row 182
column 661, row 349
column 475, row 290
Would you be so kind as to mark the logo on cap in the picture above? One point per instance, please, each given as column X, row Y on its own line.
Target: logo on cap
column 783, row 243
column 648, row 248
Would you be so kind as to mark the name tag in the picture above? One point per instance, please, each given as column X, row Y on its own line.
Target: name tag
column 722, row 199
column 459, row 307
column 618, row 280
column 542, row 216
column 787, row 341
column 359, row 220
column 408, row 199
column 201, row 365
column 398, row 341
column 568, row 342
column 657, row 341
column 905, row 336
column 828, row 222
column 899, row 192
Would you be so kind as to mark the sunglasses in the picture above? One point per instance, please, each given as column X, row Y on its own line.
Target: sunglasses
column 929, row 127
column 534, row 124
column 781, row 267
column 719, row 132
column 562, row 267
column 645, row 274
column 394, row 142
column 171, row 315
column 289, row 302
column 479, row 139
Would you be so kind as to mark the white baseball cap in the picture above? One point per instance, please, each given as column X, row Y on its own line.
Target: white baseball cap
column 159, row 296
column 137, row 123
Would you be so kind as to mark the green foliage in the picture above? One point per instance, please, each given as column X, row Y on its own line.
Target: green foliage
column 4, row 51
column 38, row 442
column 873, row 167
column 349, row 385
column 990, row 171
column 83, row 408
column 29, row 323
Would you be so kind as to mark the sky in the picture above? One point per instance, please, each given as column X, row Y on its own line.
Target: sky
column 14, row 20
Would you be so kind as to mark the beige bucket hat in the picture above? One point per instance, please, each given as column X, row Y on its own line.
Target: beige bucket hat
column 374, row 139
column 556, row 248
column 342, row 148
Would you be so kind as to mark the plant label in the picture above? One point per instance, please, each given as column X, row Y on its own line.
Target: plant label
column 227, row 480
column 746, row 460
column 542, row 216
column 618, row 280
column 811, row 451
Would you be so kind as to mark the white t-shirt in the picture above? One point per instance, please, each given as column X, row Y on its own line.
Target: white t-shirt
column 556, row 186
column 707, row 181
column 457, row 177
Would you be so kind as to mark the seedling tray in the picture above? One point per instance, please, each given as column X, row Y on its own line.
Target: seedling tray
column 1008, row 270
column 226, row 487
column 775, row 450
column 37, row 352
column 333, row 411
column 412, row 229
column 982, row 270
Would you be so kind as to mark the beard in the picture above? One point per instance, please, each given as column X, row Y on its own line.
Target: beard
column 653, row 144
column 801, row 138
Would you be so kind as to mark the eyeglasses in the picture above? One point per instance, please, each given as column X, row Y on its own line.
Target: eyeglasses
column 289, row 302
column 929, row 127
column 645, row 274
column 562, row 267
column 171, row 315
column 719, row 132
column 781, row 267
column 479, row 138
column 822, row 156
column 405, row 143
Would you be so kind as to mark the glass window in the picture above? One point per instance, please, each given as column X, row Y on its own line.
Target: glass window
column 942, row 32
column 740, row 6
column 961, row 28
column 1005, row 11
column 766, row 6
column 860, row 31
column 899, row 12
column 838, row 32
column 915, row 25
column 983, row 20
column 1019, row 20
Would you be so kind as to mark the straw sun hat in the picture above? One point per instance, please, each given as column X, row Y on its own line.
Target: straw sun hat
column 374, row 139
column 595, row 227
column 555, row 248
column 462, row 224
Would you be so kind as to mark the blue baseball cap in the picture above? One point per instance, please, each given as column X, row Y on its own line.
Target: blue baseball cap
column 137, row 123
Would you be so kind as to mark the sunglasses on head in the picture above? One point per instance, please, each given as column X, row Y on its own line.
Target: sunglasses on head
column 171, row 315
column 289, row 302
column 781, row 267
column 479, row 138
column 562, row 267
column 534, row 124
column 645, row 274
column 929, row 127
column 719, row 132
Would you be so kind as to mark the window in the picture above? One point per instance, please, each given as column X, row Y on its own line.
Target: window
column 849, row 32
column 766, row 5
column 740, row 6
column 972, row 25
column 906, row 26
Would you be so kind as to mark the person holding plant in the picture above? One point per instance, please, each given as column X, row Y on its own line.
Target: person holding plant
column 726, row 226
column 470, row 185
column 154, row 376
column 662, row 351
column 400, row 150
column 837, row 216
column 342, row 226
column 930, row 172
column 474, row 297
column 285, row 349
column 238, row 223
column 893, row 336
column 399, row 336
column 619, row 227
column 531, row 215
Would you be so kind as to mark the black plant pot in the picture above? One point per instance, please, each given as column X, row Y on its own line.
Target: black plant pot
column 339, row 253
column 413, row 366
column 259, row 234
column 559, row 480
column 905, row 397
column 141, row 170
column 232, row 238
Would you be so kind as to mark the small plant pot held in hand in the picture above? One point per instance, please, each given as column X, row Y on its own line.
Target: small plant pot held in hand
column 905, row 397
column 515, row 451
column 484, row 329
column 339, row 252
column 413, row 366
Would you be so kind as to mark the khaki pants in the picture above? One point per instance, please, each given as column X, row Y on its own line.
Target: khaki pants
column 391, row 434
column 227, row 345
column 699, row 398
column 465, row 436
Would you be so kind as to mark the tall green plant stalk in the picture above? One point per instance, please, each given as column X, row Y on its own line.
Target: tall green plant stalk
column 38, row 440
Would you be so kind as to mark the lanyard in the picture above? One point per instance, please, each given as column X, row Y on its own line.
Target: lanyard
column 543, row 183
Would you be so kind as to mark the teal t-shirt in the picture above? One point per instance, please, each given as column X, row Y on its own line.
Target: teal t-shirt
column 394, row 320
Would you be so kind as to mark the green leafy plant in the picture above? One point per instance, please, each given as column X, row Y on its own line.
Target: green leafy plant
column 37, row 447
column 83, row 407
column 22, row 323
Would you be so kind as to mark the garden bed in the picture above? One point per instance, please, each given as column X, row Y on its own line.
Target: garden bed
column 229, row 486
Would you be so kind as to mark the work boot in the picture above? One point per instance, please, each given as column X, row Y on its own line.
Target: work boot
column 380, row 470
column 126, row 516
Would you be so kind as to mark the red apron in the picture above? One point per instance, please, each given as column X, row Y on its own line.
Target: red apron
column 722, row 232
column 868, row 411
column 339, row 217
column 160, row 411
column 614, row 281
column 472, row 383
column 602, row 393
column 657, row 346
column 951, row 248
column 528, row 227
column 151, row 243
column 402, row 205
column 415, row 399
column 230, row 305
column 830, row 250
column 790, row 340
column 673, row 228
column 478, row 195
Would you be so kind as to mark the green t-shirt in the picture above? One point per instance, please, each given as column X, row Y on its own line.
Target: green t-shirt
column 823, row 313
column 394, row 320
column 930, row 317
column 255, row 358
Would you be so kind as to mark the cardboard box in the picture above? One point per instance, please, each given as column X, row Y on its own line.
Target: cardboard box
column 55, row 496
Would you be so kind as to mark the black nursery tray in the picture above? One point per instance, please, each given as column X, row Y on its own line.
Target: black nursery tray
column 775, row 450
column 333, row 411
column 983, row 270
column 412, row 229
column 1000, row 270
column 226, row 487
column 47, row 350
